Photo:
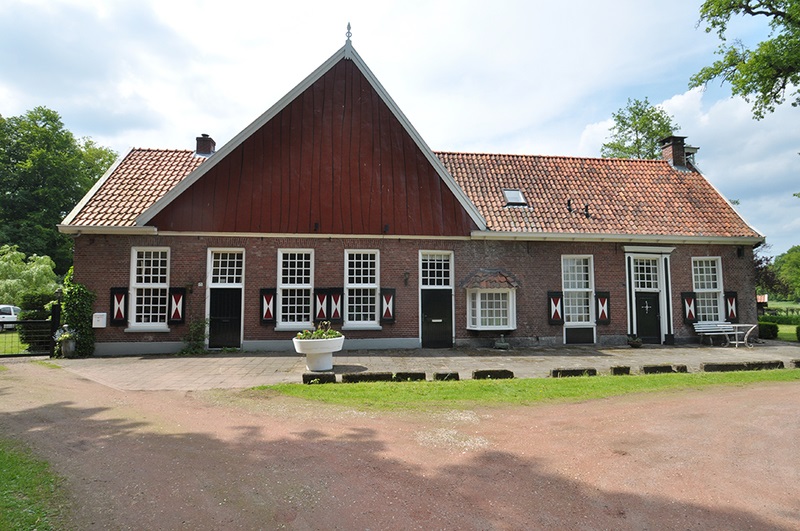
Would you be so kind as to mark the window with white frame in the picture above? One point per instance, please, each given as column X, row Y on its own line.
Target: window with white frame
column 707, row 280
column 435, row 269
column 361, row 287
column 645, row 274
column 149, row 287
column 227, row 267
column 295, row 287
column 578, row 286
column 491, row 309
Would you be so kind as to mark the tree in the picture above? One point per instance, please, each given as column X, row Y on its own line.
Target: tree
column 788, row 267
column 44, row 172
column 638, row 128
column 761, row 75
column 767, row 279
column 19, row 276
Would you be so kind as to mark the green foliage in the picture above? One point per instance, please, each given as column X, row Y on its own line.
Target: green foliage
column 323, row 331
column 36, row 306
column 781, row 319
column 787, row 267
column 475, row 393
column 767, row 330
column 761, row 75
column 77, row 310
column 638, row 128
column 44, row 172
column 797, row 333
column 195, row 339
column 30, row 493
column 19, row 276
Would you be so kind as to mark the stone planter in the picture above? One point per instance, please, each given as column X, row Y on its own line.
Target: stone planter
column 319, row 352
column 68, row 348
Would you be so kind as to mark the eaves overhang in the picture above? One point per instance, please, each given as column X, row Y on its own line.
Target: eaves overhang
column 616, row 238
column 105, row 229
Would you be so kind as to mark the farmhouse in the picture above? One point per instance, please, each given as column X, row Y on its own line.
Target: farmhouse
column 330, row 206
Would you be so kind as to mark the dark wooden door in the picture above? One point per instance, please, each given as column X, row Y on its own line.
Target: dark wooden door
column 437, row 318
column 225, row 318
column 648, row 317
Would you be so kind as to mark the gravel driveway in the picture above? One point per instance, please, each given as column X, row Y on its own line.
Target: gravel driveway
column 713, row 459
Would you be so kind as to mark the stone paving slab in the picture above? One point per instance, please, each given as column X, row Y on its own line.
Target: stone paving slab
column 249, row 369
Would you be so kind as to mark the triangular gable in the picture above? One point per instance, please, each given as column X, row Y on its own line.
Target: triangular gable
column 405, row 166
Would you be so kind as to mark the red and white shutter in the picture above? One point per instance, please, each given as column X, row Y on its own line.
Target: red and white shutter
column 387, row 305
column 335, row 299
column 555, row 307
column 267, row 296
column 119, row 306
column 177, row 305
column 689, row 300
column 603, row 315
column 731, row 307
column 321, row 305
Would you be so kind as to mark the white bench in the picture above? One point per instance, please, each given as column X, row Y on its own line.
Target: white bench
column 732, row 332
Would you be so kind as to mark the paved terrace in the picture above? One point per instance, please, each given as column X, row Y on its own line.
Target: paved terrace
column 248, row 369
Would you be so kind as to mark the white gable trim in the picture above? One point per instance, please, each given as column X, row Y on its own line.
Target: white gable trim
column 346, row 52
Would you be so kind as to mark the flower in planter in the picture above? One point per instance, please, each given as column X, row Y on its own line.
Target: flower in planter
column 323, row 331
column 634, row 341
column 65, row 333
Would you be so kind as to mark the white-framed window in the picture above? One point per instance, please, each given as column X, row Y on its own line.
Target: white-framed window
column 491, row 309
column 577, row 274
column 645, row 274
column 227, row 267
column 295, row 288
column 436, row 269
column 707, row 281
column 361, row 288
column 149, row 288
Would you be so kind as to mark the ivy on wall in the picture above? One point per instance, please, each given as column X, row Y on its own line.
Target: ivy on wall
column 77, row 312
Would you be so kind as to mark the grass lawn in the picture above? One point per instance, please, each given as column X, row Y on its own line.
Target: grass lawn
column 10, row 344
column 787, row 332
column 472, row 393
column 31, row 495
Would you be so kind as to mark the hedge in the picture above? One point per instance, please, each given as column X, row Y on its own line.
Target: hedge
column 781, row 319
column 768, row 330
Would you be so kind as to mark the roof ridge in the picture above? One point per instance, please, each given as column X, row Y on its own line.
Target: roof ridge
column 563, row 157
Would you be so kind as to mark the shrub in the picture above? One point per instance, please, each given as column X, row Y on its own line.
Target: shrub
column 797, row 333
column 77, row 309
column 195, row 339
column 768, row 330
column 781, row 319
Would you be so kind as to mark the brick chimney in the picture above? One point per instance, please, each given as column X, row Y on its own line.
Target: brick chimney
column 673, row 151
column 205, row 145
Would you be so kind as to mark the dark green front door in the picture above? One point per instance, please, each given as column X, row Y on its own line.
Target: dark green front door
column 437, row 318
column 225, row 318
column 648, row 317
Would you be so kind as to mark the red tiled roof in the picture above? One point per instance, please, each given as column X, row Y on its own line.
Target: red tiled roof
column 624, row 196
column 139, row 180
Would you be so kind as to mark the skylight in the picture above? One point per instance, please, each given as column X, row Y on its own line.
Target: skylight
column 514, row 197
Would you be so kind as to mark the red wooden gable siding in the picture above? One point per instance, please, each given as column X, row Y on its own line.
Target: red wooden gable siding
column 334, row 161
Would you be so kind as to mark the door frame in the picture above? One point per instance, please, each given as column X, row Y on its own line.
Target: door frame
column 450, row 287
column 209, row 286
column 662, row 257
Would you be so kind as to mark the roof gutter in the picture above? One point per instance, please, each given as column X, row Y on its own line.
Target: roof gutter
column 616, row 238
column 105, row 229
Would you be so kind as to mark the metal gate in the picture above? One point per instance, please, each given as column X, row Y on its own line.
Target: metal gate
column 26, row 338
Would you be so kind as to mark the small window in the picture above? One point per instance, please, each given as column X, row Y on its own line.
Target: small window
column 514, row 197
column 491, row 309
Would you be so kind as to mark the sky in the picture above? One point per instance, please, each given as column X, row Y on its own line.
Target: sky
column 528, row 77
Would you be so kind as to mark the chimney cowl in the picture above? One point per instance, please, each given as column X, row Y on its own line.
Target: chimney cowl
column 205, row 145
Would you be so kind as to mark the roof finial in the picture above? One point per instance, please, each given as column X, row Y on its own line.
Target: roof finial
column 349, row 33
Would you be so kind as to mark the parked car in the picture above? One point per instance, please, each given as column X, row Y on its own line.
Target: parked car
column 8, row 312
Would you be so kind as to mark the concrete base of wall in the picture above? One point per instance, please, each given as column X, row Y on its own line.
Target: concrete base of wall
column 137, row 348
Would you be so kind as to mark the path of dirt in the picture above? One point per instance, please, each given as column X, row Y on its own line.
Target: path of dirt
column 718, row 459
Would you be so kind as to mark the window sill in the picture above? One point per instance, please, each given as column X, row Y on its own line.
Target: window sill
column 362, row 326
column 146, row 329
column 492, row 329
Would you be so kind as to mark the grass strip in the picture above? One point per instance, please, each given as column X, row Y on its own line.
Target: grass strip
column 31, row 495
column 472, row 393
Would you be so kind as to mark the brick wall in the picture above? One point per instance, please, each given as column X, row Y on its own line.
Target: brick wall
column 103, row 262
